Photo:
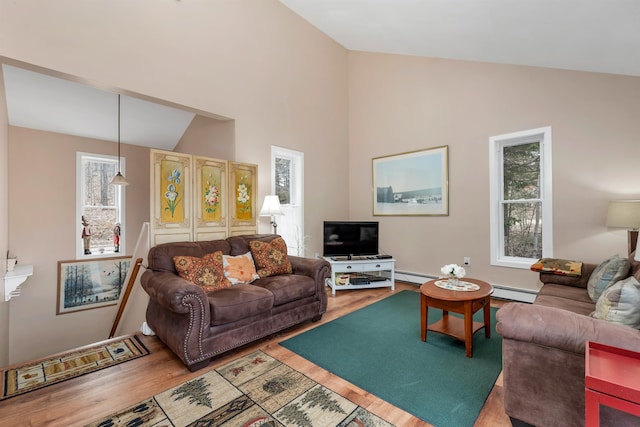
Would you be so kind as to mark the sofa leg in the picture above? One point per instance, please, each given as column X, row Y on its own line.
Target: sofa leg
column 316, row 318
column 199, row 365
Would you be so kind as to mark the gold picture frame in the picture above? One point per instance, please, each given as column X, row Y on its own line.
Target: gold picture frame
column 415, row 183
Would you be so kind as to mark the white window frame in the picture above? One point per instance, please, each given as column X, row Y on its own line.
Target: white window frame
column 120, row 195
column 297, row 193
column 496, row 144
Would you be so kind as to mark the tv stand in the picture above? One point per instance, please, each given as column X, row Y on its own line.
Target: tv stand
column 362, row 273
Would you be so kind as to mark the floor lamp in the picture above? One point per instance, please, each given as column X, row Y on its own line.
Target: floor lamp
column 271, row 207
column 625, row 214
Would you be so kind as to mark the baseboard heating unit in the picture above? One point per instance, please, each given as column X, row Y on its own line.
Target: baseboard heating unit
column 499, row 291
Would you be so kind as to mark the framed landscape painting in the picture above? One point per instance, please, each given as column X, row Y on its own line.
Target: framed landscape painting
column 413, row 183
column 83, row 285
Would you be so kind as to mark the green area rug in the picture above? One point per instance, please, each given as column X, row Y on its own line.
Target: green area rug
column 378, row 348
column 52, row 370
column 253, row 391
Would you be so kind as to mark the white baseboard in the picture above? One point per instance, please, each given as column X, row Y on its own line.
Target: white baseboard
column 499, row 291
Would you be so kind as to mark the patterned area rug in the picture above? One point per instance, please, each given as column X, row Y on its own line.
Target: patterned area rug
column 253, row 391
column 32, row 376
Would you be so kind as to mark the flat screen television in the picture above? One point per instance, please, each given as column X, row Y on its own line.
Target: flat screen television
column 350, row 238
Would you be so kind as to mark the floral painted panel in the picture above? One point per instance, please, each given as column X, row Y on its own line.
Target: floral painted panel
column 244, row 195
column 211, row 193
column 172, row 189
column 242, row 189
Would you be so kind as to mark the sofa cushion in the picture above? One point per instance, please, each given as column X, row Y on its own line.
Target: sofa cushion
column 270, row 257
column 206, row 272
column 620, row 303
column 239, row 268
column 606, row 274
column 238, row 302
column 287, row 287
column 565, row 297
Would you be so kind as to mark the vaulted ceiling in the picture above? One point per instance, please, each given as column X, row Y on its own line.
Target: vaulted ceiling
column 587, row 35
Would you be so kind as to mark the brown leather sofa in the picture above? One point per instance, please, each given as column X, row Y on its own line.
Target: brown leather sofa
column 543, row 348
column 197, row 326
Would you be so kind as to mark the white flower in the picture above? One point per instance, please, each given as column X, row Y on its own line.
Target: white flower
column 453, row 270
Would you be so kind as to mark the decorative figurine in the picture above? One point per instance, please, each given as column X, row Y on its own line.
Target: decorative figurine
column 86, row 236
column 116, row 237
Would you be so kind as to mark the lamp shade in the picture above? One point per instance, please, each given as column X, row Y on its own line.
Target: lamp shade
column 271, row 206
column 624, row 214
column 119, row 180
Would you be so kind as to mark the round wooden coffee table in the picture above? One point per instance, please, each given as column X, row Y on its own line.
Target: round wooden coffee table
column 462, row 302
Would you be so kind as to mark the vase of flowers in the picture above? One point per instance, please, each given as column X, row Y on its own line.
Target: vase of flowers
column 453, row 272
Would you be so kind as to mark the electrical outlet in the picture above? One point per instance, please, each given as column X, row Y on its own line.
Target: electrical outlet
column 467, row 260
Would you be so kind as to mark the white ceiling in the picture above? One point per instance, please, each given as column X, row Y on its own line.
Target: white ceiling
column 42, row 102
column 588, row 35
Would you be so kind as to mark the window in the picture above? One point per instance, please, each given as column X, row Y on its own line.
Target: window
column 100, row 205
column 521, row 210
column 287, row 184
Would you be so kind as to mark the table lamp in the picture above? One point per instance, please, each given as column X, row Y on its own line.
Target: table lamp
column 271, row 207
column 625, row 214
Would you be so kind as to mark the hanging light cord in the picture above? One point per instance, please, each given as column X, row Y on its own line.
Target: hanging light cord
column 118, row 133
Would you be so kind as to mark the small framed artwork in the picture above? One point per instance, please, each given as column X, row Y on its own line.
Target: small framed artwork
column 210, row 198
column 171, row 189
column 413, row 183
column 242, row 189
column 84, row 285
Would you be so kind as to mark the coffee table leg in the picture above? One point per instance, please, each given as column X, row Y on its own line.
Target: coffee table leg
column 424, row 312
column 487, row 318
column 468, row 327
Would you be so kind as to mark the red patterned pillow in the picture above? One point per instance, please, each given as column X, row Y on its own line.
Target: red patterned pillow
column 206, row 272
column 270, row 257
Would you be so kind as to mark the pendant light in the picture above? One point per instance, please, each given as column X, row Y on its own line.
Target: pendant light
column 119, row 178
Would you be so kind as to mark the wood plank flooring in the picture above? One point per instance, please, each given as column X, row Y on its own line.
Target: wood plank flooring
column 80, row 400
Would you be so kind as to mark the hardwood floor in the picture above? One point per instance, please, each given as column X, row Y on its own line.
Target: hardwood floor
column 92, row 396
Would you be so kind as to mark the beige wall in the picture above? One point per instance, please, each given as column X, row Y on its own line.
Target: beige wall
column 283, row 83
column 44, row 231
column 4, row 218
column 209, row 137
column 402, row 103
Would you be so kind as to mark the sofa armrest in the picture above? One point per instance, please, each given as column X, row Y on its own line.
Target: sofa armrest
column 318, row 269
column 173, row 292
column 578, row 282
column 561, row 329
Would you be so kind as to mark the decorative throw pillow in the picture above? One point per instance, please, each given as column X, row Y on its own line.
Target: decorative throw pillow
column 206, row 272
column 239, row 269
column 606, row 274
column 270, row 257
column 620, row 303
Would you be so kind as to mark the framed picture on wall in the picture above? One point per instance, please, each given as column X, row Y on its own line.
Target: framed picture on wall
column 413, row 183
column 84, row 285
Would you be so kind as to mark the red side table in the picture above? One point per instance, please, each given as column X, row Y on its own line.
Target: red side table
column 612, row 378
